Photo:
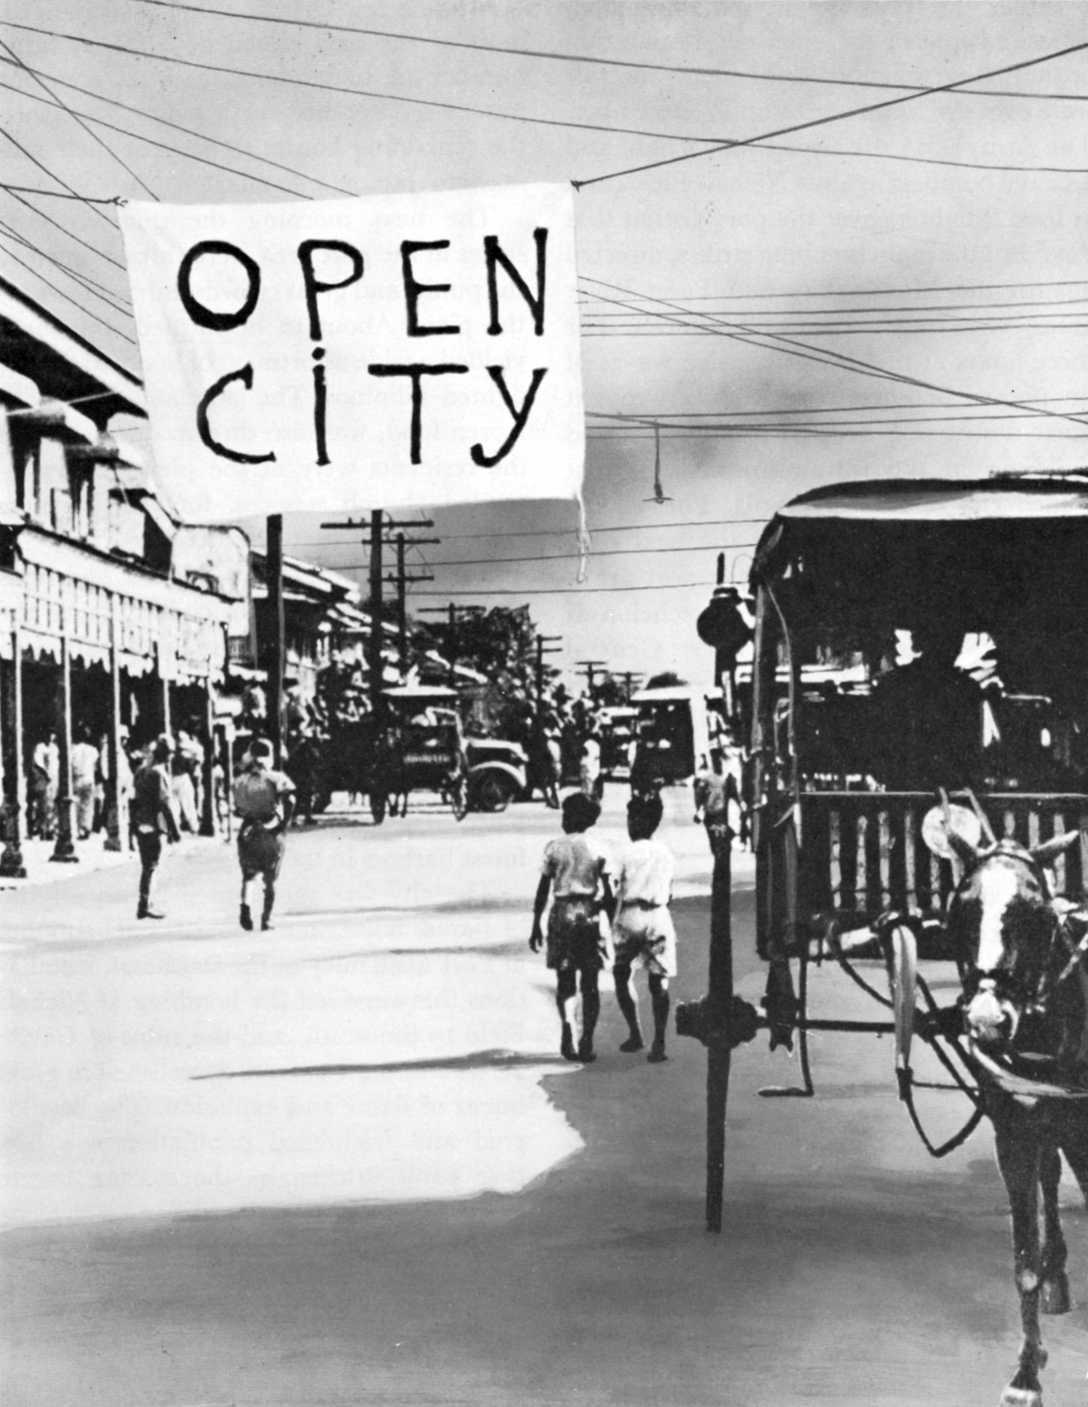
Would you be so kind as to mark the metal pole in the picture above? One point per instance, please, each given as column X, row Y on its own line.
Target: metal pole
column 719, row 1002
column 402, row 606
column 113, row 735
column 451, row 648
column 274, row 575
column 11, row 861
column 374, row 641
column 64, row 852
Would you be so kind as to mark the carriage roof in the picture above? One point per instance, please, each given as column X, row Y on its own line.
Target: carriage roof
column 840, row 513
column 982, row 549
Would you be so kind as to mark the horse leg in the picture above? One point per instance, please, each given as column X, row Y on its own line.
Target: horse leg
column 1054, row 1292
column 1018, row 1158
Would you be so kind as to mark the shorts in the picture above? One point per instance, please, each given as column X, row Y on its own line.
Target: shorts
column 574, row 935
column 260, row 851
column 645, row 938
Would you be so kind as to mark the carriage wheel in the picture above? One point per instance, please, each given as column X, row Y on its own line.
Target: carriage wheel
column 901, row 954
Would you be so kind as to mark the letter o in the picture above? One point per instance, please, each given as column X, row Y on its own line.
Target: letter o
column 207, row 317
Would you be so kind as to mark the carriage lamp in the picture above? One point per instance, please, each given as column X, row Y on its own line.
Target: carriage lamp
column 722, row 624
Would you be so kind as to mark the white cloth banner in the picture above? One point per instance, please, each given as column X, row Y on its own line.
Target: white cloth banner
column 387, row 352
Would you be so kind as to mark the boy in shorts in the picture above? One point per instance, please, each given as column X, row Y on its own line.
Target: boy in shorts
column 642, row 929
column 573, row 871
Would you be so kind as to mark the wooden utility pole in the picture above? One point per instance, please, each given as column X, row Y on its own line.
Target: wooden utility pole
column 545, row 645
column 11, row 861
column 402, row 580
column 591, row 667
column 630, row 680
column 274, row 582
column 374, row 639
column 379, row 528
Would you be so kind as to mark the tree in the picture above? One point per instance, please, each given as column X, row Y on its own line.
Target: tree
column 668, row 680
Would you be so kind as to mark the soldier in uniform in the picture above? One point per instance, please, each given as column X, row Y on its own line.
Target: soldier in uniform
column 263, row 799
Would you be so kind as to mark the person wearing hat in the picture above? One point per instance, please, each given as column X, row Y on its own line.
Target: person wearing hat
column 263, row 799
column 574, row 873
column 153, row 817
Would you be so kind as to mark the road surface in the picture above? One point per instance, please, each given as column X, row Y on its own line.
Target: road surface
column 342, row 1164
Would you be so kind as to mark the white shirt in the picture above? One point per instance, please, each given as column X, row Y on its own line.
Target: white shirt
column 646, row 870
column 84, row 762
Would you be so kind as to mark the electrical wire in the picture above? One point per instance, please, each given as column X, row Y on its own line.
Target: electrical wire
column 94, row 249
column 98, row 290
column 859, row 292
column 808, row 330
column 699, row 72
column 566, row 532
column 842, row 312
column 717, row 143
column 651, row 416
column 162, row 146
column 524, row 591
column 60, row 195
column 563, row 556
column 52, row 174
column 78, row 119
column 74, row 301
column 740, row 332
column 189, row 131
column 836, row 116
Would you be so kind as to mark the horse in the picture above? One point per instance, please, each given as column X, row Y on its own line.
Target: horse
column 1023, row 960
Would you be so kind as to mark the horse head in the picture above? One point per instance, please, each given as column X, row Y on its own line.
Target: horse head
column 1006, row 929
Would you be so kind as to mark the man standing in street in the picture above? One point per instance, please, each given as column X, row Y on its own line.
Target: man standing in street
column 264, row 799
column 152, row 818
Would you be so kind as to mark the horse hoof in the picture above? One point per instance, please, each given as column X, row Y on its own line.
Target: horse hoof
column 1021, row 1397
column 1054, row 1297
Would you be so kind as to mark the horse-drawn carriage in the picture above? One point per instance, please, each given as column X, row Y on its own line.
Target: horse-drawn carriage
column 919, row 746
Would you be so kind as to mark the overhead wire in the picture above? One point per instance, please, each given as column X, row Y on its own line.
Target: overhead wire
column 78, row 119
column 836, row 116
column 163, row 146
column 52, row 174
column 604, row 62
column 90, row 285
column 778, row 341
column 78, row 239
column 563, row 556
column 858, row 292
column 61, row 195
column 716, row 143
column 10, row 254
column 188, row 131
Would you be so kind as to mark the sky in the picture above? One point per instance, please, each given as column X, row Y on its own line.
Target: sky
column 940, row 240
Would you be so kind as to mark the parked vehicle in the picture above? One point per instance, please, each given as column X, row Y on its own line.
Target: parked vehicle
column 679, row 722
column 497, row 773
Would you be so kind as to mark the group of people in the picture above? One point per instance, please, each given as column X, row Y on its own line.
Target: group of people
column 263, row 800
column 90, row 784
column 607, row 909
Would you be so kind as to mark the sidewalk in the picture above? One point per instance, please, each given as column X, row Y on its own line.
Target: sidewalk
column 91, row 856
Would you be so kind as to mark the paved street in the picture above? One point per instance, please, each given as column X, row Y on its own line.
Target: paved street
column 342, row 1163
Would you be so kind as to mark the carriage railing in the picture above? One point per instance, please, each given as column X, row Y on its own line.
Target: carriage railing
column 860, row 854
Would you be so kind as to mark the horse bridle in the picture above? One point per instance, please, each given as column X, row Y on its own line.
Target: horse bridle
column 1034, row 1003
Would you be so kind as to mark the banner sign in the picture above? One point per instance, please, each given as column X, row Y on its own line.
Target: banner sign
column 387, row 352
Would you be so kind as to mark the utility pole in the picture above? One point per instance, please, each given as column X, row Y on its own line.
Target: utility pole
column 630, row 681
column 450, row 612
column 379, row 527
column 401, row 581
column 545, row 645
column 591, row 667
column 273, row 569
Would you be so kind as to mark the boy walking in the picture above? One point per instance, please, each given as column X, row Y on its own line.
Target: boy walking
column 573, row 871
column 642, row 930
column 263, row 799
